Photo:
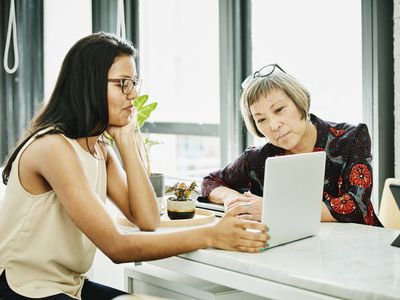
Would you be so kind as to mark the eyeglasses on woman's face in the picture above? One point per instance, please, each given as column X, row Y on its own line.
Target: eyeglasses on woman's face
column 127, row 84
column 263, row 72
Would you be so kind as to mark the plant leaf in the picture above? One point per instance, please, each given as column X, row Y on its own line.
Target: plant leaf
column 143, row 111
column 140, row 101
column 172, row 188
column 187, row 194
column 193, row 185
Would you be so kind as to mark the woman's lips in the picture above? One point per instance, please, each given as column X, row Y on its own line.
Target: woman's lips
column 130, row 108
column 283, row 135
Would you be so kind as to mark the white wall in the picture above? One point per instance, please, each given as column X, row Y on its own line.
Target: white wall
column 65, row 22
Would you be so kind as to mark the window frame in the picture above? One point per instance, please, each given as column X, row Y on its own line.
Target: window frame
column 236, row 63
column 378, row 88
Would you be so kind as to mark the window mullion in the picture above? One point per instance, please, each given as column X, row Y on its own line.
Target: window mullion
column 235, row 65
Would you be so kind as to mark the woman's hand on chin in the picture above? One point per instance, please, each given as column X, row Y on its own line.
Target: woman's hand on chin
column 128, row 129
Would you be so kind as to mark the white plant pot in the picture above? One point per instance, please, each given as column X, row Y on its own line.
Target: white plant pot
column 180, row 209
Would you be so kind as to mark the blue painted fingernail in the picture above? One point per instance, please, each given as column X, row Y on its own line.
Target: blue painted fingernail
column 247, row 204
column 261, row 250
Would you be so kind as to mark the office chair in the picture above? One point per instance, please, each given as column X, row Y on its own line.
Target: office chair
column 389, row 211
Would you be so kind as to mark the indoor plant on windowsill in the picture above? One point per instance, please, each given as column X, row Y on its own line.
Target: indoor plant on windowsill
column 181, row 206
column 145, row 144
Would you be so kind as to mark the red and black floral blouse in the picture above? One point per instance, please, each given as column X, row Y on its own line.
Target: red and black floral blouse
column 348, row 172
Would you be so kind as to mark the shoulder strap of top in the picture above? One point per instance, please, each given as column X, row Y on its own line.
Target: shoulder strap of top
column 99, row 150
column 31, row 140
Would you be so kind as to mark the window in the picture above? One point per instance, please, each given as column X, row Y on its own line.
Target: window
column 318, row 42
column 179, row 62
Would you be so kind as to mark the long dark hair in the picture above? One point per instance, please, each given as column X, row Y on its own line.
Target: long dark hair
column 78, row 106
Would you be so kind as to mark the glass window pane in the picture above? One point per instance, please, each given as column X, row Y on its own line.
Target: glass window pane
column 179, row 59
column 179, row 63
column 318, row 42
column 184, row 156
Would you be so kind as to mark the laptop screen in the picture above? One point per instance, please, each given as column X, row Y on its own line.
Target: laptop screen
column 293, row 188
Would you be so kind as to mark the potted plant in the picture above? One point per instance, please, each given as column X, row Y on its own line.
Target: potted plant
column 144, row 145
column 181, row 206
column 143, row 113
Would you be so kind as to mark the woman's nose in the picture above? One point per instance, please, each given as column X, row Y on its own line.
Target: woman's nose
column 274, row 125
column 133, row 94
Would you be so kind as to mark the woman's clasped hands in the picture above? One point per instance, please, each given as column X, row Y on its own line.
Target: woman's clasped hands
column 253, row 202
column 233, row 232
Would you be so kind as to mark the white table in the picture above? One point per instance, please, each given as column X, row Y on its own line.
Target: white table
column 347, row 261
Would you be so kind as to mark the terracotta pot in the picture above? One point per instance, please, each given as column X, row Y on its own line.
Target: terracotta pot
column 180, row 209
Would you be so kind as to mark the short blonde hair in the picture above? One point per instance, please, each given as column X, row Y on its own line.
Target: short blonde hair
column 263, row 86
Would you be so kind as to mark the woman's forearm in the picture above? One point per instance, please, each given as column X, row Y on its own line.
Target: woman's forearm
column 326, row 215
column 229, row 233
column 150, row 246
column 221, row 194
column 142, row 199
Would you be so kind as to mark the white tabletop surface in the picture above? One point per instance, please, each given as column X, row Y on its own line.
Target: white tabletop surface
column 348, row 261
column 344, row 260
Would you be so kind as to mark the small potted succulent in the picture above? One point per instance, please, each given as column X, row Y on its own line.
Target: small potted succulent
column 181, row 206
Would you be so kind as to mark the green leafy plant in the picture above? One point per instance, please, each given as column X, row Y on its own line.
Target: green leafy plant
column 143, row 113
column 182, row 191
column 144, row 145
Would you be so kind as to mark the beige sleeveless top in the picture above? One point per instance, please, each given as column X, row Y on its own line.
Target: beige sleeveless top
column 42, row 252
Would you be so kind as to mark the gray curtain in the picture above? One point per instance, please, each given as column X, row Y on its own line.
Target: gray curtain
column 104, row 18
column 20, row 92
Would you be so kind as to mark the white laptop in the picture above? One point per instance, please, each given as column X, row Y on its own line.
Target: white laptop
column 293, row 188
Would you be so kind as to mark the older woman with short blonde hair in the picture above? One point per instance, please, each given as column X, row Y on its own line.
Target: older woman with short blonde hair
column 275, row 105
